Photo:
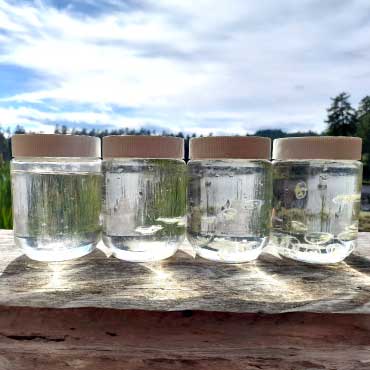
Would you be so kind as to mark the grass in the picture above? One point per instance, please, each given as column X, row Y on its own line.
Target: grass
column 60, row 204
column 6, row 217
column 364, row 224
column 167, row 197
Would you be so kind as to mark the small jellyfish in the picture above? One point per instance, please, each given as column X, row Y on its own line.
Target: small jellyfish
column 318, row 238
column 276, row 238
column 253, row 204
column 219, row 244
column 229, row 214
column 298, row 226
column 300, row 190
column 181, row 222
column 228, row 249
column 148, row 230
column 170, row 220
column 352, row 227
column 348, row 235
column 289, row 242
column 347, row 198
column 331, row 248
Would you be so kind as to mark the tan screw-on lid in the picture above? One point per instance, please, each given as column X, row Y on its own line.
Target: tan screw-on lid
column 140, row 146
column 317, row 147
column 53, row 145
column 237, row 147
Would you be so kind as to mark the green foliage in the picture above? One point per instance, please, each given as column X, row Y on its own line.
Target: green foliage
column 364, row 224
column 6, row 218
column 4, row 147
column 272, row 134
column 342, row 118
column 364, row 107
column 363, row 131
column 277, row 134
column 168, row 195
column 19, row 130
column 62, row 203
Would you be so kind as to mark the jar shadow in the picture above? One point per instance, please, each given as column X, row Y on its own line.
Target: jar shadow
column 337, row 287
column 309, row 272
column 359, row 263
column 269, row 284
column 95, row 280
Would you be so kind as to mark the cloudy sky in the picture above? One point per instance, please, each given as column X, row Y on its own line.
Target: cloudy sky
column 228, row 66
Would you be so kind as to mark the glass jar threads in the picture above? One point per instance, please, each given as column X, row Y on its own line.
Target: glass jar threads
column 56, row 187
column 317, row 193
column 144, row 196
column 229, row 197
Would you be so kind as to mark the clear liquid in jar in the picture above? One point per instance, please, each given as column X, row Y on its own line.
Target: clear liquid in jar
column 316, row 209
column 144, row 208
column 56, row 214
column 229, row 209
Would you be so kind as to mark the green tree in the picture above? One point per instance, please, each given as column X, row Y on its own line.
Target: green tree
column 364, row 106
column 19, row 130
column 271, row 133
column 363, row 131
column 4, row 147
column 342, row 118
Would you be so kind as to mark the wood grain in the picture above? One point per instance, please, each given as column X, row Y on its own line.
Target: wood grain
column 269, row 285
column 96, row 339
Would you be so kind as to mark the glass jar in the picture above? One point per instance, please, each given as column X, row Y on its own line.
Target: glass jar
column 56, row 187
column 144, row 196
column 229, row 197
column 317, row 193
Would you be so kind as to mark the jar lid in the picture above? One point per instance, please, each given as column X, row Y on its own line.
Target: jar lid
column 237, row 147
column 317, row 147
column 55, row 145
column 141, row 146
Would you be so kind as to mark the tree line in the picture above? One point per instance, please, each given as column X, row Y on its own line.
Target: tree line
column 342, row 120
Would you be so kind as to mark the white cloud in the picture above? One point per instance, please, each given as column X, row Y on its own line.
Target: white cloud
column 231, row 66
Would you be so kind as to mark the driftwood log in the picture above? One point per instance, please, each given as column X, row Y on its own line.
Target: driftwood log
column 102, row 313
column 268, row 285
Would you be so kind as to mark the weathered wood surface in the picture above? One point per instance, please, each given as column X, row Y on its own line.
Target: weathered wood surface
column 270, row 284
column 98, row 339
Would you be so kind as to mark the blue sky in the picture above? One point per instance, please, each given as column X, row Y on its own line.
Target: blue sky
column 227, row 67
